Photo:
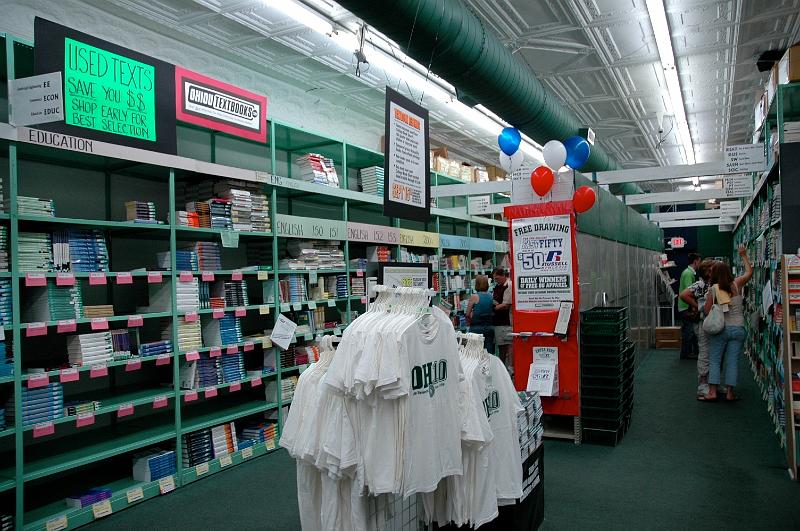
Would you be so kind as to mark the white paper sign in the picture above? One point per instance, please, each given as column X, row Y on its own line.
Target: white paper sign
column 542, row 262
column 766, row 297
column 730, row 209
column 549, row 354
column 563, row 187
column 36, row 99
column 745, row 158
column 564, row 313
column 543, row 378
column 283, row 333
column 406, row 277
column 478, row 204
column 521, row 190
column 737, row 186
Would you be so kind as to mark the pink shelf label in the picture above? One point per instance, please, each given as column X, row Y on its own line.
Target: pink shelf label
column 185, row 276
column 133, row 365
column 211, row 392
column 191, row 317
column 214, row 352
column 98, row 371
column 217, row 313
column 163, row 359
column 231, row 349
column 125, row 410
column 36, row 329
column 159, row 402
column 240, row 312
column 65, row 279
column 236, row 275
column 248, row 346
column 68, row 375
column 99, row 323
column 66, row 325
column 42, row 429
column 135, row 320
column 190, row 396
column 84, row 419
column 359, row 272
column 124, row 278
column 255, row 382
column 207, row 276
column 192, row 356
column 235, row 386
column 363, row 300
column 35, row 279
column 154, row 277
column 38, row 380
column 97, row 279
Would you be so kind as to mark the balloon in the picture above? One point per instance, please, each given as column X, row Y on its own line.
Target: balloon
column 509, row 140
column 555, row 155
column 542, row 180
column 512, row 163
column 583, row 199
column 577, row 151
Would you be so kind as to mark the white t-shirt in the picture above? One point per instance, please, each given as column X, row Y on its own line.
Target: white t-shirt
column 502, row 405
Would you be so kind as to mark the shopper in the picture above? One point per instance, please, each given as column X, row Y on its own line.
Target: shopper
column 727, row 345
column 689, row 347
column 695, row 297
column 502, row 315
column 480, row 312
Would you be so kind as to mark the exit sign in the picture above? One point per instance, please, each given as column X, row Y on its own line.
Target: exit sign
column 677, row 242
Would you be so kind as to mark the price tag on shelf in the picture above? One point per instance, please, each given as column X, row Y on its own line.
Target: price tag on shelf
column 214, row 352
column 236, row 275
column 42, row 429
column 297, row 306
column 262, row 275
column 160, row 401
column 231, row 349
column 217, row 313
column 124, row 278
column 285, row 307
column 154, row 277
column 192, row 356
column 210, row 392
column 57, row 524
column 185, row 276
column 312, row 305
column 331, row 303
column 134, row 495
column 135, row 320
column 263, row 309
column 247, row 452
column 363, row 300
column 35, row 280
column 308, row 336
column 99, row 323
column 229, row 239
column 163, row 359
column 98, row 370
column 65, row 279
column 166, row 484
column 359, row 272
column 133, row 365
column 266, row 342
column 248, row 346
column 190, row 396
column 312, row 278
column 36, row 329
column 207, row 276
column 125, row 410
column 337, row 331
column 38, row 380
column 255, row 382
column 270, row 444
column 235, row 386
column 101, row 509
column 97, row 279
column 84, row 419
column 241, row 311
column 66, row 325
column 201, row 469
column 68, row 375
column 191, row 317
column 225, row 460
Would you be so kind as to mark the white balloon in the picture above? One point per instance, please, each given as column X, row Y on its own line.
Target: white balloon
column 505, row 162
column 510, row 164
column 555, row 154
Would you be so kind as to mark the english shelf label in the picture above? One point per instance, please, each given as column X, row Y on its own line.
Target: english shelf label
column 364, row 232
column 299, row 227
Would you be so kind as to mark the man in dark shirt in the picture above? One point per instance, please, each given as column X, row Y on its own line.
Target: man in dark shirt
column 502, row 315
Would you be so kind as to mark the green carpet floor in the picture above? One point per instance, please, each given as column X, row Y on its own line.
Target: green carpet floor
column 683, row 465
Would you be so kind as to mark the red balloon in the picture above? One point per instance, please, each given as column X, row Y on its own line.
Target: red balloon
column 583, row 199
column 542, row 180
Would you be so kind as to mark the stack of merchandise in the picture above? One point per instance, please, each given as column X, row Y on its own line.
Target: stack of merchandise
column 455, row 282
column 197, row 448
column 190, row 336
column 155, row 348
column 80, row 250
column 3, row 424
column 5, row 302
column 775, row 204
column 185, row 260
column 293, row 288
column 288, row 385
column 359, row 263
column 336, row 287
column 121, row 343
column 6, row 522
column 220, row 213
column 607, row 365
column 224, row 331
column 316, row 169
column 315, row 254
column 208, row 256
column 202, row 211
column 235, row 293
column 241, row 208
column 188, row 295
column 529, row 422
column 418, row 258
column 453, row 262
column 38, row 405
column 436, row 284
column 52, row 303
column 531, row 433
column 260, row 432
column 154, row 464
column 90, row 349
column 98, row 310
column 232, row 368
column 319, row 319
column 3, row 248
column 299, row 355
column 89, row 497
column 378, row 253
column 370, row 180
column 141, row 212
column 357, row 286
column 791, row 132
column 188, row 219
column 6, row 360
column 201, row 373
column 79, row 407
column 35, row 251
column 224, row 439
column 35, row 206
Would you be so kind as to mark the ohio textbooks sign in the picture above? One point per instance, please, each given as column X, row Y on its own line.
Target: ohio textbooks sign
column 542, row 262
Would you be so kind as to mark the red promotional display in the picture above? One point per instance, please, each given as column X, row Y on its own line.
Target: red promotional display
column 544, row 274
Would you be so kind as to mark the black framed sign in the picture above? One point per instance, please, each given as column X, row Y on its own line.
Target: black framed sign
column 405, row 275
column 407, row 166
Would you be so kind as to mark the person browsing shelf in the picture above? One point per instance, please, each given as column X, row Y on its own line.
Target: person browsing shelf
column 480, row 312
column 502, row 314
column 695, row 297
column 689, row 346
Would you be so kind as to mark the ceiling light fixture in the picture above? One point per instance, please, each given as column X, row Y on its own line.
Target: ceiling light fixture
column 658, row 19
column 697, row 188
column 301, row 14
column 695, row 181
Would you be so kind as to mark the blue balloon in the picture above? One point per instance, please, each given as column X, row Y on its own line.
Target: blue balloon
column 578, row 150
column 509, row 140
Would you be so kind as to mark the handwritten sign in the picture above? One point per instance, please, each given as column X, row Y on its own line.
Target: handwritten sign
column 300, row 227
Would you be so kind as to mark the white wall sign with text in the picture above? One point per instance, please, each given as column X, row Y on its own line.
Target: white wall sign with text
column 36, row 99
column 744, row 158
column 737, row 186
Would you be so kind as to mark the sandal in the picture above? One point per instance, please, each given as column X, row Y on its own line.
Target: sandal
column 735, row 398
column 705, row 398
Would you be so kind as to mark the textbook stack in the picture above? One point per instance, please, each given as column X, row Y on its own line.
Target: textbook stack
column 35, row 251
column 197, row 448
column 154, row 464
column 156, row 348
column 35, row 206
column 317, row 169
column 224, row 439
column 42, row 404
column 370, row 180
column 80, row 250
column 261, row 432
column 90, row 349
column 3, row 248
column 141, row 212
column 89, row 498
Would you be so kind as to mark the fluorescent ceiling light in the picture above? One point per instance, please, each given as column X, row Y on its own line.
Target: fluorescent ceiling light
column 658, row 19
column 695, row 181
column 301, row 14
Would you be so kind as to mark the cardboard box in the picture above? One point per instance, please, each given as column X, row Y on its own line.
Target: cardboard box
column 495, row 173
column 668, row 344
column 668, row 333
column 441, row 152
column 440, row 165
column 789, row 66
column 467, row 173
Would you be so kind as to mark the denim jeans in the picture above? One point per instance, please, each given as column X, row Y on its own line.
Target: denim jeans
column 725, row 347
column 689, row 345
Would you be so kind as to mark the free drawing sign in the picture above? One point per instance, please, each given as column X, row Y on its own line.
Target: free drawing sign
column 542, row 262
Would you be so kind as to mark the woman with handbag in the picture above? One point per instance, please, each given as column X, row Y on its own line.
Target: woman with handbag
column 725, row 325
column 695, row 297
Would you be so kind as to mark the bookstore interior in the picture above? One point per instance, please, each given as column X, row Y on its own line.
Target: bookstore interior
column 354, row 265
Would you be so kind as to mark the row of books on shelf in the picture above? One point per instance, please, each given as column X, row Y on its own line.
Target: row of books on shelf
column 224, row 204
